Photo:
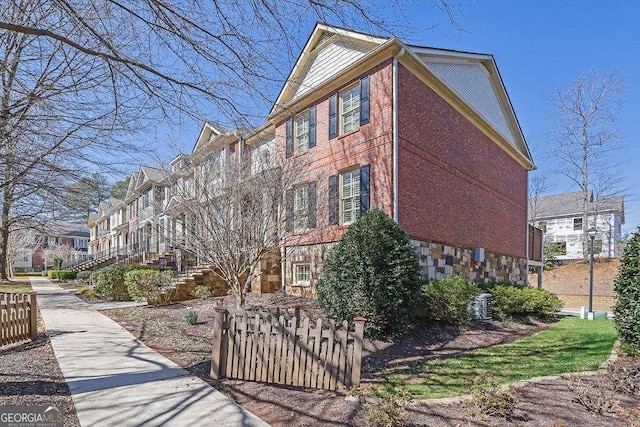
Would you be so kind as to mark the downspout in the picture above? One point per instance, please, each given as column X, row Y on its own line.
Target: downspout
column 395, row 134
column 526, row 239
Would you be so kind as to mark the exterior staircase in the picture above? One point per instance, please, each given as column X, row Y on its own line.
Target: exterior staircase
column 186, row 282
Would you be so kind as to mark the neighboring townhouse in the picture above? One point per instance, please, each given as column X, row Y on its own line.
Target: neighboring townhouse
column 102, row 228
column 560, row 216
column 427, row 135
column 61, row 242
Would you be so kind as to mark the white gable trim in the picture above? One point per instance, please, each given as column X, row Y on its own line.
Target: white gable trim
column 309, row 52
column 205, row 135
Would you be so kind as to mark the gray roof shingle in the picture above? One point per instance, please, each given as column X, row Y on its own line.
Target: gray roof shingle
column 565, row 204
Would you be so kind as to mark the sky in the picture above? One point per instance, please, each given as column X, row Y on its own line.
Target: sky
column 542, row 46
column 539, row 47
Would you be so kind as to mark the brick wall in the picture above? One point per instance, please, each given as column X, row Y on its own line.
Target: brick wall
column 371, row 144
column 456, row 186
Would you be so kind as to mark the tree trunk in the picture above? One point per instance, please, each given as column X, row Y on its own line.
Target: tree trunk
column 4, row 226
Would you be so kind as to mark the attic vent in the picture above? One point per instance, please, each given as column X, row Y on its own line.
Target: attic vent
column 325, row 36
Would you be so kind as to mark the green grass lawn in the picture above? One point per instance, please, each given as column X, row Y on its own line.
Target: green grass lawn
column 571, row 345
column 20, row 286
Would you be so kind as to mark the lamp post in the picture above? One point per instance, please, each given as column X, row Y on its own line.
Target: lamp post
column 592, row 235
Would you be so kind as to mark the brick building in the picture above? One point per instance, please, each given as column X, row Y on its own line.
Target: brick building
column 61, row 243
column 426, row 135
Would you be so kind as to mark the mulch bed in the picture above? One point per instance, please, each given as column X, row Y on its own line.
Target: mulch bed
column 549, row 403
column 30, row 375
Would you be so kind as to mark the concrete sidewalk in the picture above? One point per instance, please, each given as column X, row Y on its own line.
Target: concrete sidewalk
column 116, row 380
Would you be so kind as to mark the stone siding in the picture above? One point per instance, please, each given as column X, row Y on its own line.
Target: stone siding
column 314, row 255
column 437, row 260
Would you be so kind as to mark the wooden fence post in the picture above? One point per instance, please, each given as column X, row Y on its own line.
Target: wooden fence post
column 357, row 351
column 296, row 308
column 33, row 315
column 219, row 353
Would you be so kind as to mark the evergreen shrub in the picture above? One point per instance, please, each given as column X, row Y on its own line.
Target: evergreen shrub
column 372, row 272
column 518, row 302
column 111, row 281
column 627, row 291
column 447, row 300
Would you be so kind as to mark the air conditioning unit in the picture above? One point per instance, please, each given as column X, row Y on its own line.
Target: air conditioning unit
column 482, row 307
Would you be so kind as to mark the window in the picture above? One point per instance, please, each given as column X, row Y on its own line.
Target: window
column 350, row 109
column 301, row 274
column 349, row 196
column 144, row 200
column 302, row 134
column 301, row 208
column 577, row 224
column 261, row 157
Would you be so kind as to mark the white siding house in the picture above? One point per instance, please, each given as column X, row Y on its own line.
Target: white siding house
column 560, row 216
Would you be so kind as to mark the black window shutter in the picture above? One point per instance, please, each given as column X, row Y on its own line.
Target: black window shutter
column 311, row 215
column 289, row 209
column 333, row 199
column 312, row 127
column 364, row 189
column 364, row 101
column 333, row 116
column 289, row 137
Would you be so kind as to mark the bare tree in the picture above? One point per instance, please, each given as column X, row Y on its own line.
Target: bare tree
column 233, row 209
column 56, row 256
column 78, row 78
column 585, row 133
column 538, row 186
column 22, row 242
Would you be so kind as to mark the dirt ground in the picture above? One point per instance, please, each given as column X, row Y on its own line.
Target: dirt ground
column 30, row 375
column 548, row 403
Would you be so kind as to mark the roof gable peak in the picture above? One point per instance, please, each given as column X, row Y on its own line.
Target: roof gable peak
column 328, row 51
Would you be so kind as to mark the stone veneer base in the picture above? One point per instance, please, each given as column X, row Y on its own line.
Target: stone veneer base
column 437, row 260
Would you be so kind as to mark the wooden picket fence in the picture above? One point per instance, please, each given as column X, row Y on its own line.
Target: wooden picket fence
column 18, row 317
column 275, row 349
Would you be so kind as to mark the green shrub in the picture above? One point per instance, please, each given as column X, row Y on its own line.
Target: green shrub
column 149, row 286
column 61, row 274
column 111, row 281
column 201, row 291
column 627, row 290
column 87, row 292
column 28, row 274
column 83, row 275
column 372, row 272
column 191, row 317
column 447, row 300
column 513, row 302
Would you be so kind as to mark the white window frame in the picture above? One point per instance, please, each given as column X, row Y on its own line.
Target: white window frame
column 301, row 133
column 301, row 207
column 300, row 276
column 349, row 195
column 349, row 108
